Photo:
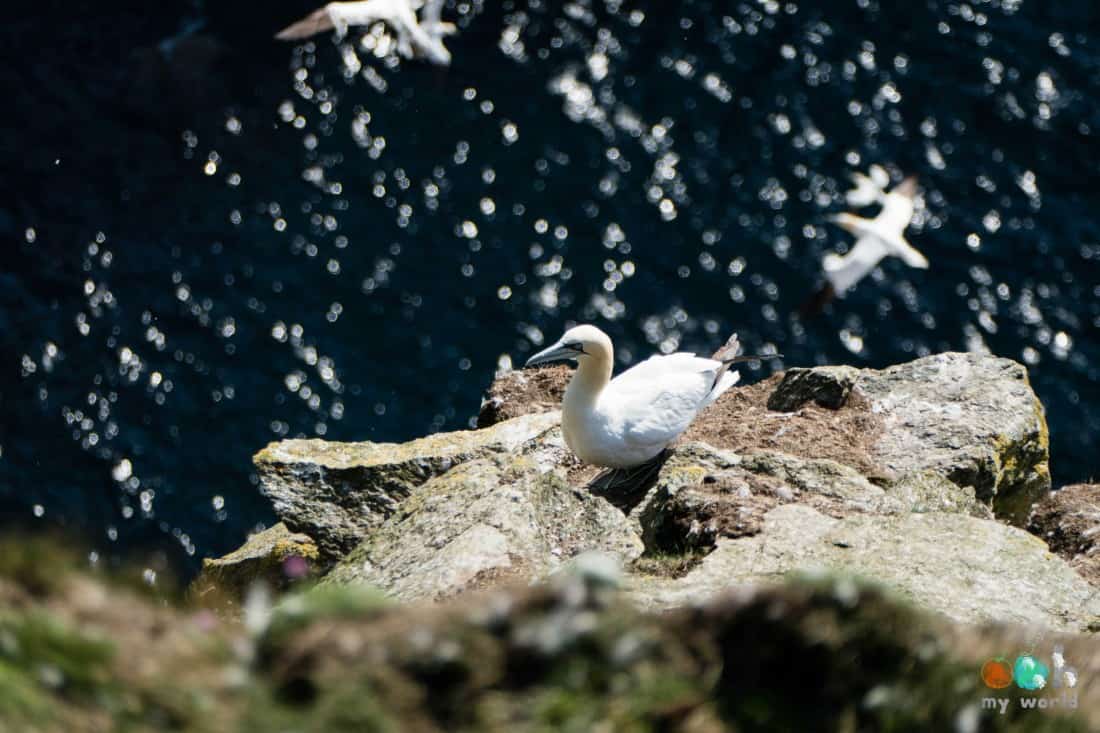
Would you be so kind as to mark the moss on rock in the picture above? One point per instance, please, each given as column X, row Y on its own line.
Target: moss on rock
column 275, row 556
column 337, row 492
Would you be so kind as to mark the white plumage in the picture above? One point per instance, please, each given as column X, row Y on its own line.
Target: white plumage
column 414, row 39
column 869, row 189
column 877, row 238
column 629, row 420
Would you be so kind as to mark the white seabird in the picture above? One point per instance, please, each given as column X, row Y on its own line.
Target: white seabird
column 629, row 420
column 875, row 239
column 414, row 39
column 869, row 189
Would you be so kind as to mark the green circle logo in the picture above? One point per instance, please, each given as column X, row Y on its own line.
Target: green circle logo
column 1029, row 673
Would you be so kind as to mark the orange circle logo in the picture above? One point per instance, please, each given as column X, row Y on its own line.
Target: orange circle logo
column 997, row 674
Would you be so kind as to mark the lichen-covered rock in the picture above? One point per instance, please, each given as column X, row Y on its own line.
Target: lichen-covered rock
column 337, row 492
column 929, row 491
column 970, row 418
column 485, row 520
column 1068, row 520
column 968, row 569
column 275, row 556
column 912, row 460
column 703, row 493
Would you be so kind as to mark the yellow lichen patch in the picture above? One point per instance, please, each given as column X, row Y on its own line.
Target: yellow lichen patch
column 263, row 557
column 502, row 436
column 1022, row 470
column 684, row 475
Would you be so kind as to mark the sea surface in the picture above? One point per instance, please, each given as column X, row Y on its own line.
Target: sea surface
column 213, row 240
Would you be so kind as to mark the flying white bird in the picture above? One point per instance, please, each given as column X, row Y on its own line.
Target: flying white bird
column 875, row 239
column 870, row 188
column 629, row 420
column 414, row 39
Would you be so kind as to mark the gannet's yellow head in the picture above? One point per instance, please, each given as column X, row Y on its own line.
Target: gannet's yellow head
column 847, row 222
column 582, row 343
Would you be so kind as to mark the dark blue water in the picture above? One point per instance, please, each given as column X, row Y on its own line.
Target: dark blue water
column 241, row 241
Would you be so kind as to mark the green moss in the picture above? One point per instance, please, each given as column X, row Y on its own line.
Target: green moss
column 24, row 703
column 225, row 581
column 557, row 709
column 38, row 564
column 876, row 664
column 810, row 654
column 346, row 707
column 46, row 649
column 626, row 702
column 321, row 603
column 352, row 708
column 1022, row 471
column 670, row 564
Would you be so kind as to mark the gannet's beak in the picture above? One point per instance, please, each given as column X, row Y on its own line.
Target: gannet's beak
column 557, row 352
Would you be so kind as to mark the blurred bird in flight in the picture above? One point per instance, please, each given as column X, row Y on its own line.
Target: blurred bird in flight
column 877, row 238
column 416, row 37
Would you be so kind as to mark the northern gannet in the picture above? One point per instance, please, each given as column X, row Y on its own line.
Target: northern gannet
column 629, row 420
column 875, row 239
column 414, row 39
column 870, row 188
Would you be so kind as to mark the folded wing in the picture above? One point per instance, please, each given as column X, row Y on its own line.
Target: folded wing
column 656, row 400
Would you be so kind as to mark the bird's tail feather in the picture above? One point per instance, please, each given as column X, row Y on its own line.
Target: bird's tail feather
column 729, row 350
column 723, row 380
column 728, row 355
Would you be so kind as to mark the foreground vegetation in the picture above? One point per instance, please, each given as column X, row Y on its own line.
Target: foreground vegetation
column 83, row 652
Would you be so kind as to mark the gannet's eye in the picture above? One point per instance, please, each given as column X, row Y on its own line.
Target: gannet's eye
column 576, row 346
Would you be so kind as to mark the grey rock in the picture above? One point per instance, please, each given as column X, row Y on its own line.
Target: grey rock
column 970, row 418
column 929, row 491
column 968, row 569
column 489, row 519
column 827, row 386
column 338, row 492
column 263, row 557
column 823, row 477
column 703, row 493
column 952, row 441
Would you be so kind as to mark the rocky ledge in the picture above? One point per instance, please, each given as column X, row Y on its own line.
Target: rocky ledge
column 890, row 535
column 920, row 477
